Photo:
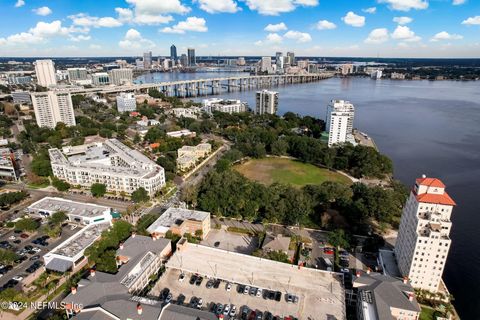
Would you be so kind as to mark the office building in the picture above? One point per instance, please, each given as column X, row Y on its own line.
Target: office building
column 188, row 156
column 77, row 212
column 8, row 165
column 21, row 97
column 241, row 61
column 77, row 74
column 100, row 78
column 381, row 297
column 377, row 74
column 346, row 69
column 70, row 254
column 147, row 60
column 115, row 296
column 166, row 64
column 312, row 68
column 126, row 102
column 14, row 80
column 45, row 71
column 224, row 105
column 303, row 64
column 180, row 221
column 192, row 60
column 184, row 60
column 120, row 77
column 291, row 58
column 111, row 163
column 192, row 112
column 52, row 107
column 173, row 54
column 139, row 63
column 339, row 123
column 266, row 102
column 423, row 239
column 279, row 62
column 266, row 65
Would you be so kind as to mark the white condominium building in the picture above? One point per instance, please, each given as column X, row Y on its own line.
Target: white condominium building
column 339, row 123
column 221, row 105
column 110, row 163
column 423, row 237
column 76, row 74
column 126, row 102
column 121, row 76
column 45, row 71
column 52, row 107
column 266, row 102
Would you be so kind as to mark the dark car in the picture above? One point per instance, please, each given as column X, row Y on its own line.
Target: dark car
column 259, row 315
column 216, row 244
column 20, row 259
column 268, row 315
column 213, row 307
column 199, row 281
column 193, row 279
column 240, row 288
column 216, row 284
column 271, row 295
column 193, row 302
column 244, row 312
column 17, row 241
column 253, row 291
column 164, row 293
column 181, row 299
column 278, row 296
column 210, row 283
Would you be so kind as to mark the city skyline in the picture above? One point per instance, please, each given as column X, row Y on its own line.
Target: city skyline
column 384, row 28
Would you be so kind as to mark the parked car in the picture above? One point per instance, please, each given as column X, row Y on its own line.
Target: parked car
column 246, row 290
column 253, row 291
column 199, row 281
column 24, row 236
column 327, row 250
column 169, row 298
column 226, row 309
column 289, row 298
column 181, row 277
column 219, row 310
column 12, row 238
column 193, row 279
column 210, row 284
column 233, row 311
column 228, row 287
column 216, row 283
column 18, row 278
column 180, row 299
column 259, row 292
column 278, row 296
column 34, row 258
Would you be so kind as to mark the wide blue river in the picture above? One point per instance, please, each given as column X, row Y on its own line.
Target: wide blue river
column 425, row 127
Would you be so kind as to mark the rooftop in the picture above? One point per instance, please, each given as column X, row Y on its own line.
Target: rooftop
column 321, row 291
column 430, row 182
column 436, row 198
column 174, row 216
column 51, row 204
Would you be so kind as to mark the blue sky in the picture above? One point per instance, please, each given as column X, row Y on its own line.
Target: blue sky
column 385, row 28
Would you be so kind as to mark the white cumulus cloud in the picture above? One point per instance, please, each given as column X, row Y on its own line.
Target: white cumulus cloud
column 370, row 10
column 405, row 5
column 275, row 7
column 193, row 24
column 155, row 7
column 472, row 21
column 458, row 2
column 298, row 36
column 404, row 33
column 444, row 35
column 325, row 25
column 215, row 6
column 379, row 35
column 354, row 20
column 134, row 40
column 87, row 21
column 276, row 27
column 19, row 3
column 402, row 20
column 38, row 34
column 42, row 11
column 79, row 38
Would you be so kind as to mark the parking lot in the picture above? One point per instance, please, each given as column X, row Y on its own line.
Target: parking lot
column 230, row 241
column 220, row 295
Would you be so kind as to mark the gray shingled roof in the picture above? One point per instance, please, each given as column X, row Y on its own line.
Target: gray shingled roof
column 276, row 243
column 387, row 292
column 59, row 265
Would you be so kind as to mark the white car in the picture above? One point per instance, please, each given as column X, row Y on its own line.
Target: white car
column 36, row 250
column 181, row 277
column 12, row 238
column 228, row 287
column 259, row 292
column 17, row 278
column 233, row 311
column 226, row 310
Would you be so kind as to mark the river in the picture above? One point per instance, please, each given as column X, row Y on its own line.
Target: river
column 425, row 127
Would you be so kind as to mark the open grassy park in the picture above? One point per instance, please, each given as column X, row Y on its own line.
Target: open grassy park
column 288, row 171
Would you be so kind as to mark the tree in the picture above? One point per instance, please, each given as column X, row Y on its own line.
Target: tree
column 27, row 224
column 98, row 190
column 278, row 256
column 57, row 218
column 7, row 256
column 60, row 184
column 140, row 195
column 338, row 239
column 279, row 147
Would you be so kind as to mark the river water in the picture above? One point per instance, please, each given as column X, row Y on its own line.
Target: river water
column 425, row 127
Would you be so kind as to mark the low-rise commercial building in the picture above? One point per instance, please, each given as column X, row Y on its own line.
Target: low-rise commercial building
column 180, row 221
column 222, row 105
column 79, row 212
column 192, row 112
column 181, row 133
column 111, row 163
column 126, row 102
column 112, row 296
column 381, row 297
column 189, row 155
column 21, row 97
column 100, row 78
column 8, row 165
column 70, row 253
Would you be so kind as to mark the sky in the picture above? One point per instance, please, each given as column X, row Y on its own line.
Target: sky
column 361, row 28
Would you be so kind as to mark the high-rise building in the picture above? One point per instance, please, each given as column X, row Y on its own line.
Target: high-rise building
column 77, row 74
column 279, row 62
column 184, row 60
column 240, row 61
column 291, row 56
column 120, row 77
column 126, row 102
column 346, row 68
column 266, row 102
column 147, row 60
column 192, row 60
column 100, row 78
column 52, row 107
column 339, row 123
column 423, row 238
column 266, row 64
column 45, row 71
column 173, row 53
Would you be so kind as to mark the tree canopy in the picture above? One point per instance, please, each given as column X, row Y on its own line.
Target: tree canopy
column 98, row 189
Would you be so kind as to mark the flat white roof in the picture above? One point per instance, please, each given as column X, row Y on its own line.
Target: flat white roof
column 175, row 216
column 52, row 204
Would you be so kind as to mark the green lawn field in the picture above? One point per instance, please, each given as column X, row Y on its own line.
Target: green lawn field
column 287, row 171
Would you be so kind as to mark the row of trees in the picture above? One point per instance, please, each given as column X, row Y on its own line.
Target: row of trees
column 225, row 192
column 9, row 198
